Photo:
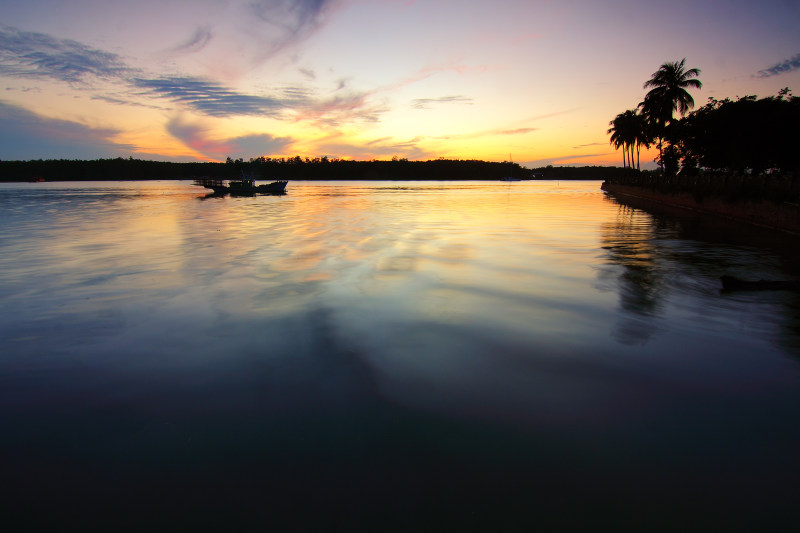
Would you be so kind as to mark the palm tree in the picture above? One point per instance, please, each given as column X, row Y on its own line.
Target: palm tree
column 668, row 93
column 629, row 131
column 641, row 134
column 618, row 137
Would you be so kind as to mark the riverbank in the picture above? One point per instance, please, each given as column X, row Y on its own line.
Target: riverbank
column 766, row 202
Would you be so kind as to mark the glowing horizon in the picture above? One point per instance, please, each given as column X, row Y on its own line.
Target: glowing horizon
column 201, row 81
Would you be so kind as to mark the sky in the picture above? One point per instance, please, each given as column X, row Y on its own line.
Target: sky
column 534, row 81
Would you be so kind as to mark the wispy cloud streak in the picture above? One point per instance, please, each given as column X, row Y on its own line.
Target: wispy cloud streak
column 517, row 131
column 788, row 65
column 425, row 103
column 285, row 22
column 201, row 37
column 213, row 99
column 37, row 55
column 588, row 145
column 361, row 106
column 349, row 106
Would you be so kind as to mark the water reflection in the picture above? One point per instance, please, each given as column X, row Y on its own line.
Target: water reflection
column 666, row 250
column 386, row 353
column 628, row 241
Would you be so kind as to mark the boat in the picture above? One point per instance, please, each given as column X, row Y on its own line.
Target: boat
column 246, row 185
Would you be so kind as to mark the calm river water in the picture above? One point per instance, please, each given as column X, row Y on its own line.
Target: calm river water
column 390, row 356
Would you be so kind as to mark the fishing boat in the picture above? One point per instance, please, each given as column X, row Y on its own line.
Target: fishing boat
column 246, row 185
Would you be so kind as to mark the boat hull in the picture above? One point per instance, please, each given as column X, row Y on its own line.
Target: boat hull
column 243, row 189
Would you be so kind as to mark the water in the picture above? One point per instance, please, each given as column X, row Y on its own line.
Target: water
column 390, row 356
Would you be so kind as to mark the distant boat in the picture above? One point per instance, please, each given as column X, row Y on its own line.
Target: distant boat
column 246, row 185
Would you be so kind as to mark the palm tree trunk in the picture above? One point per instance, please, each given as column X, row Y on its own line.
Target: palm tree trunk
column 631, row 156
column 638, row 149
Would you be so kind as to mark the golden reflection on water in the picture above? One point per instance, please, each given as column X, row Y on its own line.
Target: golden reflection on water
column 477, row 331
column 430, row 237
column 531, row 263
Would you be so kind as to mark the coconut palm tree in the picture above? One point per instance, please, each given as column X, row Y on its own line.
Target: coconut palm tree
column 668, row 93
column 640, row 130
column 668, row 90
column 618, row 137
column 629, row 131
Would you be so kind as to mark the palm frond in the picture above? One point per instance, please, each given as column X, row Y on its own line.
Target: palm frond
column 668, row 92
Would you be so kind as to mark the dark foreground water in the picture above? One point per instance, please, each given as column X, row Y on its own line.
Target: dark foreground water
column 389, row 356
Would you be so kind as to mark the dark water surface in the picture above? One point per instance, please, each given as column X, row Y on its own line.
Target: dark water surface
column 379, row 356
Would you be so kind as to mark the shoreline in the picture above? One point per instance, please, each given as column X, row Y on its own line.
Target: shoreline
column 762, row 212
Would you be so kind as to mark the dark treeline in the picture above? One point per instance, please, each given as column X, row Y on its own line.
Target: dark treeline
column 577, row 173
column 743, row 136
column 746, row 135
column 292, row 168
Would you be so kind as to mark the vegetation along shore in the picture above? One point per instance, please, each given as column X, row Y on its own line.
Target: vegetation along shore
column 293, row 168
column 733, row 158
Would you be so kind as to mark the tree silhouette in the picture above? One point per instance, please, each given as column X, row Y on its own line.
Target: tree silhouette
column 629, row 130
column 748, row 134
column 619, row 137
column 668, row 93
column 641, row 132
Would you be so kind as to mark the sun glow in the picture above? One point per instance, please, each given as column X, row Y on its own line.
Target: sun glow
column 348, row 80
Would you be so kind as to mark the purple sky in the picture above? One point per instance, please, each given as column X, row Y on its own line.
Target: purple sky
column 537, row 81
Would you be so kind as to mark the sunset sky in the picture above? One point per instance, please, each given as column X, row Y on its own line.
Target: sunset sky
column 534, row 80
